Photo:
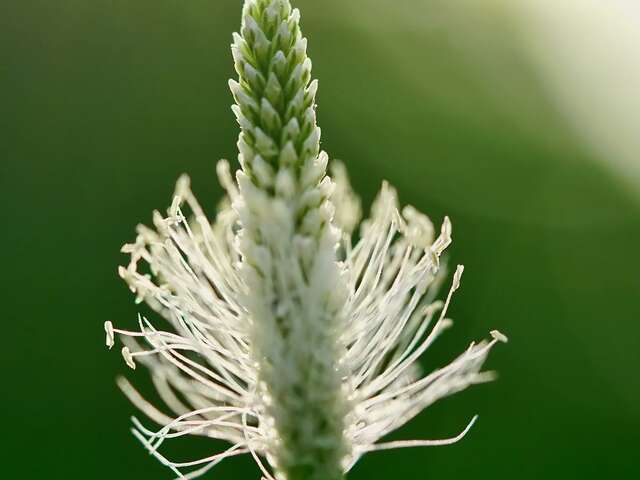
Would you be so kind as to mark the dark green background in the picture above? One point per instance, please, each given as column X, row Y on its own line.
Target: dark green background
column 104, row 103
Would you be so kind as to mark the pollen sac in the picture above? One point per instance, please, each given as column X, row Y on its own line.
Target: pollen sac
column 128, row 358
column 110, row 340
column 499, row 336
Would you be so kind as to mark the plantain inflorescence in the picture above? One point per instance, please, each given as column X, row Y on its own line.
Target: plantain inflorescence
column 281, row 336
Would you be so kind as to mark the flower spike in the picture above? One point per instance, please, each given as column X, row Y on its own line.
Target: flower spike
column 279, row 335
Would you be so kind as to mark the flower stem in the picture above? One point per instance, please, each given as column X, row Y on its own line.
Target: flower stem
column 288, row 246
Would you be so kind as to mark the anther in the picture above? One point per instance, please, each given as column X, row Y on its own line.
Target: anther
column 128, row 358
column 456, row 277
column 499, row 336
column 122, row 272
column 108, row 328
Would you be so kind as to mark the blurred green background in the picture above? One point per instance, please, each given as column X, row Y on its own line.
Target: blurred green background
column 104, row 103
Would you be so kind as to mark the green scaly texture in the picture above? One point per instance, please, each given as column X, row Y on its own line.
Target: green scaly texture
column 275, row 96
column 276, row 111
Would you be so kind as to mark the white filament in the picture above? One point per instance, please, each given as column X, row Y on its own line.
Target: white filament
column 187, row 270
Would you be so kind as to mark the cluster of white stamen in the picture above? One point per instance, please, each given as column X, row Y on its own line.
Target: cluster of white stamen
column 394, row 275
column 283, row 338
column 390, row 319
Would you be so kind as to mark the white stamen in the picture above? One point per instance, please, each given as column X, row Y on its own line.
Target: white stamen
column 422, row 443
